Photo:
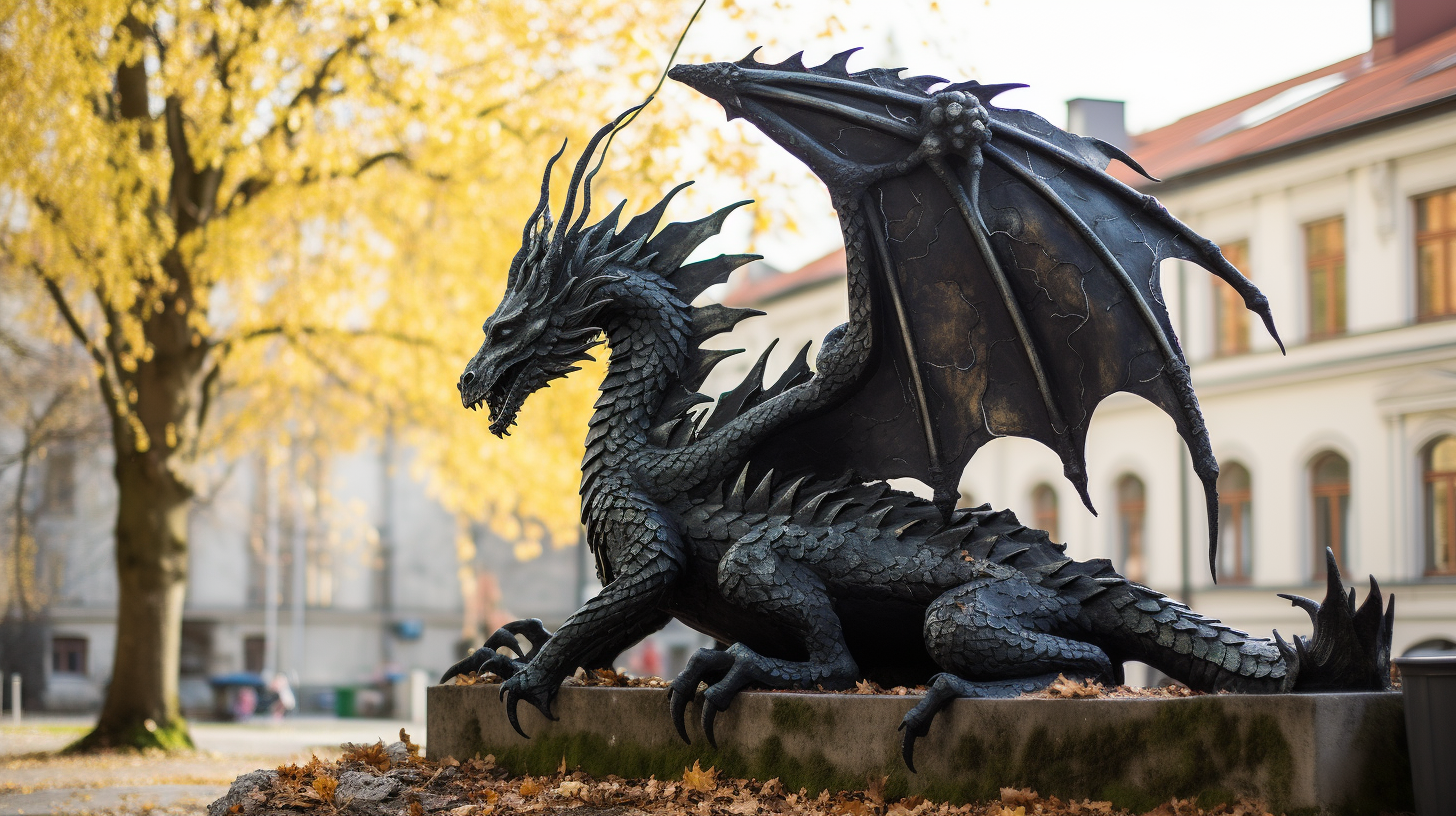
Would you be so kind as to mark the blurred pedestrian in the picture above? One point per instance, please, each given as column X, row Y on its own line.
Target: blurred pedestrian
column 284, row 700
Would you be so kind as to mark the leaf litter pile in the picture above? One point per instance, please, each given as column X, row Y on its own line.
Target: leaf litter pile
column 394, row 780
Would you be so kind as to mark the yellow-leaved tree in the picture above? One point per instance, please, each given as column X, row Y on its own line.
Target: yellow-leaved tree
column 266, row 219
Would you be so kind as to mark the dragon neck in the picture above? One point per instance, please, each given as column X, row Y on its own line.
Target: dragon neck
column 648, row 330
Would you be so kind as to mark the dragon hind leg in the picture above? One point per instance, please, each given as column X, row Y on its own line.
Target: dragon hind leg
column 752, row 575
column 994, row 636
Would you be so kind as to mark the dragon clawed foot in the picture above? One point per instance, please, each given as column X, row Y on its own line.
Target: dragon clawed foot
column 1350, row 648
column 944, row 688
column 521, row 687
column 488, row 657
column 730, row 670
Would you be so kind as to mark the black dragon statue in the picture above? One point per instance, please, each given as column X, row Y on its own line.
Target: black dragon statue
column 1000, row 282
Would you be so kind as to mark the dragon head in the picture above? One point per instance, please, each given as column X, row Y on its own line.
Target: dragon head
column 548, row 320
column 561, row 286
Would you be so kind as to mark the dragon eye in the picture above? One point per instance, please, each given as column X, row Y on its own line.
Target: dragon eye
column 503, row 332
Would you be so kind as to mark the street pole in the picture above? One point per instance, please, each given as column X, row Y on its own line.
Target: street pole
column 272, row 485
column 15, row 696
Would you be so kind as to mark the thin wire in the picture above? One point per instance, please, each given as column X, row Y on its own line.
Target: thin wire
column 661, row 79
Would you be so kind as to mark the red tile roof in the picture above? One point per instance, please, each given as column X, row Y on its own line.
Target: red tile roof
column 1373, row 93
column 751, row 289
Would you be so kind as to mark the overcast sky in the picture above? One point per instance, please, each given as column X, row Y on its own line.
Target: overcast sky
column 1164, row 58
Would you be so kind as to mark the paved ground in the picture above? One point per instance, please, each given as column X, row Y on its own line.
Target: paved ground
column 35, row 781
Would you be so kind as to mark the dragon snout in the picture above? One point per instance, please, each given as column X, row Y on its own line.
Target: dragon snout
column 471, row 394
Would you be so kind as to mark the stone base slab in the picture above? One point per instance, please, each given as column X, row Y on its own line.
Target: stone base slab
column 1330, row 753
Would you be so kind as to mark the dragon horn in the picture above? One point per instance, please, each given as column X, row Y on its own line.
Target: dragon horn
column 582, row 163
column 528, row 233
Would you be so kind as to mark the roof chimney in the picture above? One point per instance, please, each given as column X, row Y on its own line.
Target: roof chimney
column 1398, row 25
column 1099, row 118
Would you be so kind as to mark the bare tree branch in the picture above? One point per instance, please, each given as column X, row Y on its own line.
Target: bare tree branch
column 110, row 395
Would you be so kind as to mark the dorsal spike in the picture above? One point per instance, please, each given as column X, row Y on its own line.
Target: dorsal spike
column 798, row 372
column 730, row 403
column 682, row 434
column 783, row 503
column 678, row 402
column 835, row 508
column 715, row 318
column 701, row 363
column 691, row 280
column 662, row 434
column 733, row 502
column 873, row 519
column 642, row 225
column 610, row 222
column 677, row 241
column 837, row 65
column 805, row 514
column 762, row 495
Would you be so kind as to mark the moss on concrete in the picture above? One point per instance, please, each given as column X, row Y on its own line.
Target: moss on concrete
column 1206, row 749
column 1385, row 771
column 1191, row 750
column 799, row 717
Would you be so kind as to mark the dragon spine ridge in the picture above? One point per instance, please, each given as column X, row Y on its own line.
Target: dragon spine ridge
column 807, row 568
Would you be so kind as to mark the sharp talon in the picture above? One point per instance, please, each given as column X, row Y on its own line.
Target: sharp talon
column 470, row 663
column 907, row 748
column 511, row 714
column 710, row 712
column 678, row 702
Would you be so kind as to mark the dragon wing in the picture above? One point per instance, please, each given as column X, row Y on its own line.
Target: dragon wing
column 1009, row 282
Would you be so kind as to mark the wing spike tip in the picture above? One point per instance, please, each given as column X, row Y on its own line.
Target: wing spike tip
column 837, row 65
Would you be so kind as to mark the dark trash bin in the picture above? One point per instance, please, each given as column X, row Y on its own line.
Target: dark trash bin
column 1428, row 683
column 344, row 702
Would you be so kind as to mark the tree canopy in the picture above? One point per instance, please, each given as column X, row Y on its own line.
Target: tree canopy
column 323, row 199
column 273, row 221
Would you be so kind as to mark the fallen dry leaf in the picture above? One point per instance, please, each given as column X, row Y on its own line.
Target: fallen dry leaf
column 530, row 787
column 695, row 778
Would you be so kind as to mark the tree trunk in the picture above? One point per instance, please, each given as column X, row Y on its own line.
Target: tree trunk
column 142, row 708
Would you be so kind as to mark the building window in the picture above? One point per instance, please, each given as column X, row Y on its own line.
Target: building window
column 1330, row 500
column 1044, row 509
column 1230, row 318
column 255, row 650
column 1440, row 478
column 1436, row 255
column 1324, row 263
column 1235, row 524
column 68, row 655
column 1132, row 511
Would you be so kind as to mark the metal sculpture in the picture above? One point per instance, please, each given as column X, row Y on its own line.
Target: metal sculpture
column 1000, row 283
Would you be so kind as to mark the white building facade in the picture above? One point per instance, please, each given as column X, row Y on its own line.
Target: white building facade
column 1337, row 196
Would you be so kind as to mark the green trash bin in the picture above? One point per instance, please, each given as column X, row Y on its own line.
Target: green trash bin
column 344, row 701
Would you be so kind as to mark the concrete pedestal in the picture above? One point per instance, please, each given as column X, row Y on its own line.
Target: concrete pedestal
column 1334, row 753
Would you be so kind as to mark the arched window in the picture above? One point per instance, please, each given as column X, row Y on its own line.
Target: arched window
column 1235, row 524
column 1044, row 509
column 1439, row 466
column 1132, row 511
column 1329, row 488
